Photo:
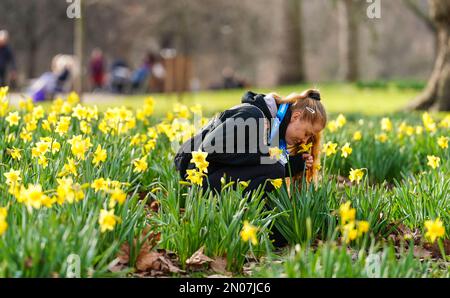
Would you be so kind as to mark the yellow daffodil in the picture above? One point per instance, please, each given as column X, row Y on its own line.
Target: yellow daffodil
column 244, row 184
column 48, row 202
column 3, row 92
column 117, row 195
column 332, row 126
column 41, row 148
column 55, row 147
column 38, row 112
column 382, row 138
column 356, row 175
column 347, row 213
column 15, row 153
column 195, row 177
column 435, row 229
column 349, row 232
column 12, row 177
column 181, row 111
column 80, row 146
column 26, row 105
column 363, row 227
column 107, row 220
column 433, row 161
column 386, row 124
column 150, row 145
column 43, row 161
column 3, row 223
column 79, row 112
column 428, row 122
column 305, row 148
column 329, row 148
column 85, row 127
column 443, row 142
column 203, row 167
column 340, row 120
column 62, row 127
column 248, row 233
column 73, row 98
column 99, row 155
column 357, row 136
column 32, row 196
column 346, row 150
column 13, row 118
column 276, row 182
column 140, row 165
column 69, row 168
column 196, row 109
column 199, row 157
column 69, row 191
column 99, row 184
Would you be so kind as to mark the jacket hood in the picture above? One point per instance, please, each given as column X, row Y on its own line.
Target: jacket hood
column 265, row 104
column 268, row 105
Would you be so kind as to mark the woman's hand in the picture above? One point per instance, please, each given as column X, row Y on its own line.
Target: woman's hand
column 309, row 160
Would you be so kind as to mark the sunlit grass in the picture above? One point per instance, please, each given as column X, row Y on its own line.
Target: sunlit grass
column 342, row 98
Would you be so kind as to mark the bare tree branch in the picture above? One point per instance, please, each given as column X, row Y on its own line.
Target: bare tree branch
column 422, row 15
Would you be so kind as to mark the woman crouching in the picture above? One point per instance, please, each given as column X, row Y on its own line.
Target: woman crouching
column 265, row 138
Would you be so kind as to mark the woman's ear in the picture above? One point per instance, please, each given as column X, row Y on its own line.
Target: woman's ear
column 296, row 115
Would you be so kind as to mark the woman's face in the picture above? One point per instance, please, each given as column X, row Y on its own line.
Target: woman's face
column 299, row 131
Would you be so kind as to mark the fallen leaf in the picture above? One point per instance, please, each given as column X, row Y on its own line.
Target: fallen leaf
column 149, row 243
column 148, row 261
column 198, row 259
column 219, row 265
column 421, row 253
column 157, row 263
column 435, row 250
column 168, row 266
column 124, row 254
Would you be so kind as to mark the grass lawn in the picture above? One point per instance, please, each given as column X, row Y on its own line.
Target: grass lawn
column 345, row 98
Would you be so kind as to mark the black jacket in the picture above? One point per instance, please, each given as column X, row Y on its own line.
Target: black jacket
column 6, row 58
column 248, row 127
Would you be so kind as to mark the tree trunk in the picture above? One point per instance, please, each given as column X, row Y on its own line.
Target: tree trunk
column 293, row 52
column 436, row 95
column 31, row 59
column 78, row 49
column 349, row 40
column 32, row 43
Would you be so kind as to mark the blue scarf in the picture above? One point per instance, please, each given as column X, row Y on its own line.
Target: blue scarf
column 276, row 126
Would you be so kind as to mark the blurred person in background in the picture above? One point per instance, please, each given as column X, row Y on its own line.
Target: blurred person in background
column 120, row 76
column 58, row 80
column 158, row 75
column 6, row 59
column 231, row 80
column 140, row 76
column 97, row 69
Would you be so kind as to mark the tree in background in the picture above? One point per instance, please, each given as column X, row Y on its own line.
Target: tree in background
column 422, row 14
column 292, row 55
column 349, row 22
column 436, row 95
column 78, row 48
